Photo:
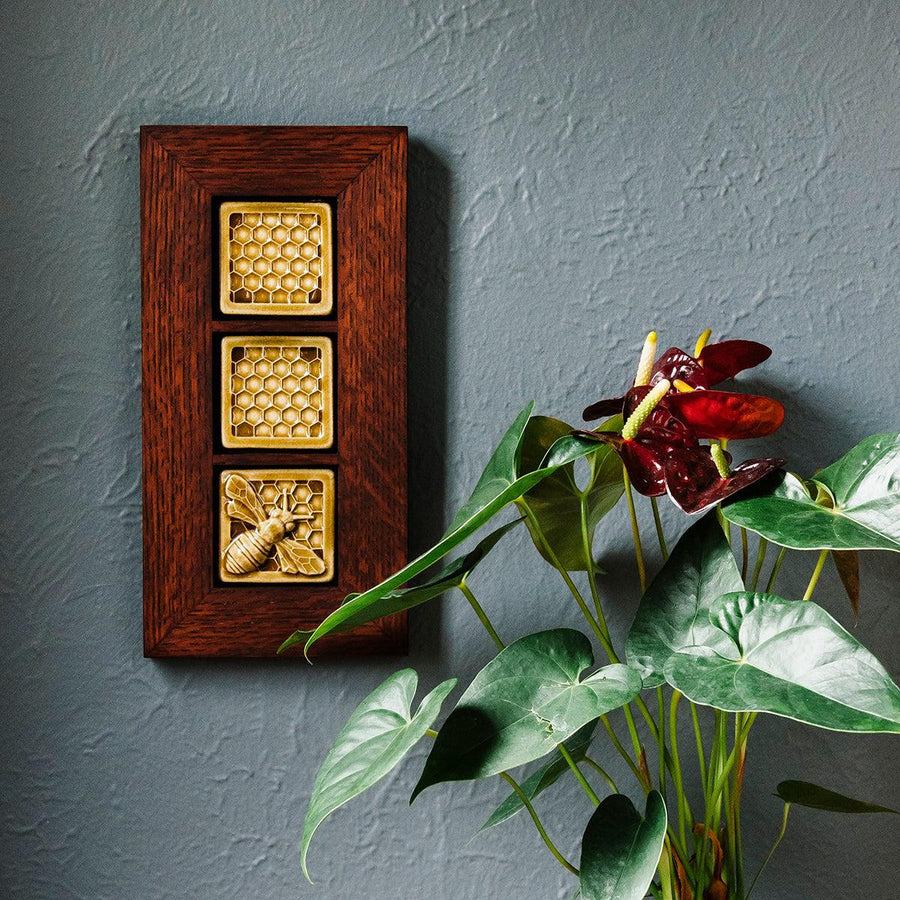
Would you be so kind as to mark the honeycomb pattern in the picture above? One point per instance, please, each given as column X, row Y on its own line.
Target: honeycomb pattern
column 277, row 392
column 310, row 492
column 276, row 258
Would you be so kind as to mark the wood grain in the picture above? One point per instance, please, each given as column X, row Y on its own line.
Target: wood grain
column 186, row 171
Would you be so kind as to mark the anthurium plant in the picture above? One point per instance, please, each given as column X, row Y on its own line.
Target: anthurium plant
column 711, row 631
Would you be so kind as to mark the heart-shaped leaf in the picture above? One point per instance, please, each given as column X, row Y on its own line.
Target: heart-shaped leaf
column 377, row 736
column 553, row 506
column 524, row 702
column 546, row 776
column 674, row 611
column 790, row 659
column 497, row 486
column 802, row 793
column 858, row 507
column 445, row 579
column 620, row 849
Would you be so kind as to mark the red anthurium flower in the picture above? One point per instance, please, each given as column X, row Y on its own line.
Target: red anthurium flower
column 725, row 415
column 670, row 408
column 711, row 365
column 695, row 483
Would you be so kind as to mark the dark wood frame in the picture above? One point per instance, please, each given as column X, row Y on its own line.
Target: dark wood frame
column 185, row 172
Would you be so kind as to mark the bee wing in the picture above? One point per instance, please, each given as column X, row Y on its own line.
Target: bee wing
column 243, row 503
column 297, row 556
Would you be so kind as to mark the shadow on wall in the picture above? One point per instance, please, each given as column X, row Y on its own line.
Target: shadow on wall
column 428, row 276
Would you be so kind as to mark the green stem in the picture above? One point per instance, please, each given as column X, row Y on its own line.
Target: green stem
column 482, row 615
column 815, row 575
column 592, row 580
column 784, row 821
column 660, row 535
column 635, row 531
column 745, row 554
column 661, row 739
column 760, row 559
column 554, row 561
column 701, row 752
column 776, row 569
column 526, row 802
column 581, row 779
column 684, row 812
column 603, row 773
column 622, row 751
column 431, row 733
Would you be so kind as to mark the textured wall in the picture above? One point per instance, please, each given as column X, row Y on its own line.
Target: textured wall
column 580, row 172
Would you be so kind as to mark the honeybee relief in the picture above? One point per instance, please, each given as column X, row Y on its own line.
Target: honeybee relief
column 277, row 525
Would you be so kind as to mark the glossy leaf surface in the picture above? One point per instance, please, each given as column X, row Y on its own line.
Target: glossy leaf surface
column 524, row 702
column 546, row 776
column 497, row 487
column 555, row 502
column 445, row 579
column 674, row 611
column 802, row 793
column 723, row 414
column 621, row 849
column 377, row 736
column 790, row 659
column 864, row 489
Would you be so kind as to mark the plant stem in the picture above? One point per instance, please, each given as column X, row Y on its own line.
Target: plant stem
column 684, row 811
column 815, row 575
column 622, row 751
column 581, row 779
column 760, row 558
column 701, row 752
column 526, row 802
column 431, row 733
column 554, row 561
column 661, row 739
column 603, row 773
column 592, row 580
column 745, row 554
column 482, row 615
column 661, row 537
column 784, row 821
column 635, row 531
column 776, row 569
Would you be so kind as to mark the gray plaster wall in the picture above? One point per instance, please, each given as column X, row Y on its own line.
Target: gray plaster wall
column 579, row 174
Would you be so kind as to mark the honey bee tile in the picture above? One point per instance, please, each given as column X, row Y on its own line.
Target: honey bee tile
column 276, row 525
column 276, row 259
column 277, row 392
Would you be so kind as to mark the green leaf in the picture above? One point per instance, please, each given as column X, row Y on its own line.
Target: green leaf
column 524, row 702
column 555, row 502
column 674, row 611
column 802, row 793
column 445, row 579
column 790, row 659
column 857, row 505
column 497, row 486
column 377, row 736
column 620, row 850
column 546, row 776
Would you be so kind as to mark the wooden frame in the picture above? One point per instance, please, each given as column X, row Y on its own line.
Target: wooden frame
column 186, row 172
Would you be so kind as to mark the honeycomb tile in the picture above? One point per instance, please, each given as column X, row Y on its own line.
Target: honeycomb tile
column 277, row 392
column 276, row 259
column 255, row 505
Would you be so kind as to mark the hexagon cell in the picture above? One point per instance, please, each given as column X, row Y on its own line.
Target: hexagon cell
column 277, row 392
column 275, row 258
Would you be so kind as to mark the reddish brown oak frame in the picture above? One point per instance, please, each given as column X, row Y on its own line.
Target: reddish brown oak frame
column 186, row 171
